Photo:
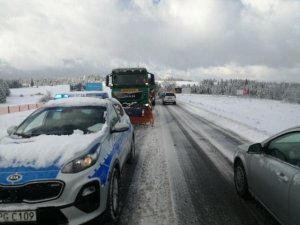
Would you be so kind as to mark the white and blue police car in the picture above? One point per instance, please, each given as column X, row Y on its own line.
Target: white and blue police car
column 62, row 164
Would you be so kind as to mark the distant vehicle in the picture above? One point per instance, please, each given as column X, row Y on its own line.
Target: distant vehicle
column 135, row 89
column 97, row 94
column 161, row 94
column 270, row 172
column 169, row 97
column 62, row 164
column 93, row 86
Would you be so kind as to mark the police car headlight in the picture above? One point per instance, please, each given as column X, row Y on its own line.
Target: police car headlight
column 82, row 162
column 79, row 164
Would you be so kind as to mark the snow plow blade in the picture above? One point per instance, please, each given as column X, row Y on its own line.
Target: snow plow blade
column 140, row 115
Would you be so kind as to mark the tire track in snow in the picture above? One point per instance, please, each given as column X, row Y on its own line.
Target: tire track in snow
column 149, row 198
column 185, row 120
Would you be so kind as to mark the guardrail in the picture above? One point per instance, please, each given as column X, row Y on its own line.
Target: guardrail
column 18, row 108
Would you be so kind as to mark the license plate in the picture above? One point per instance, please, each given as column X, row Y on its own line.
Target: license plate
column 129, row 90
column 17, row 216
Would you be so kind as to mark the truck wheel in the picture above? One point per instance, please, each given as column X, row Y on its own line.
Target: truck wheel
column 113, row 206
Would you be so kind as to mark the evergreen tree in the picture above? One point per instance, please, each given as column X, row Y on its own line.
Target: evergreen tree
column 2, row 92
column 6, row 88
column 14, row 84
column 31, row 83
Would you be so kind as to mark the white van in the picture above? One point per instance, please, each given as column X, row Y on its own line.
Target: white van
column 169, row 97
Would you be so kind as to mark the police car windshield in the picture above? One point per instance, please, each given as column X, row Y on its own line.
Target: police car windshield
column 63, row 121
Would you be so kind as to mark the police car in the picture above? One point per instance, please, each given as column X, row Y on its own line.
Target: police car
column 62, row 164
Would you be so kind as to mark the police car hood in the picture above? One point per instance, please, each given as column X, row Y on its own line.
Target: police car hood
column 44, row 151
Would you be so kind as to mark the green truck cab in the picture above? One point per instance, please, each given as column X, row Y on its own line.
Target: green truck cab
column 133, row 87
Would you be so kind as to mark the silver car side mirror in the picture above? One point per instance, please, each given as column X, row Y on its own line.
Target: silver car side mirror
column 255, row 148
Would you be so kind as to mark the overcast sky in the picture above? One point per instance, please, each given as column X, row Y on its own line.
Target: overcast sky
column 192, row 39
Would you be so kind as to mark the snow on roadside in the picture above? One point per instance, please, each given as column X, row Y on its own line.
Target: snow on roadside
column 253, row 119
column 32, row 95
column 20, row 96
column 12, row 119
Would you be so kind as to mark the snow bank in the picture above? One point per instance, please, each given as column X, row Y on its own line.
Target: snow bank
column 254, row 119
column 20, row 96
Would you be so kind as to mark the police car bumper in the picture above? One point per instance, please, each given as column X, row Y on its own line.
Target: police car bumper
column 84, row 205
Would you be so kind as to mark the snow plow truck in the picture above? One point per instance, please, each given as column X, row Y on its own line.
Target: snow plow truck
column 135, row 89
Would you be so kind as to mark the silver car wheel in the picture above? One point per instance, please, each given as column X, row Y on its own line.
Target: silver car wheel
column 240, row 180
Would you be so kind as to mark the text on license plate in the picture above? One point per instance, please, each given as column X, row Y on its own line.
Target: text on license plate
column 17, row 216
column 129, row 90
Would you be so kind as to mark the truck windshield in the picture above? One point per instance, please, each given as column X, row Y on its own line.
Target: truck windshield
column 130, row 79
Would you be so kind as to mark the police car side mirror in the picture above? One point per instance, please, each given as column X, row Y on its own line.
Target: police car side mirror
column 11, row 130
column 120, row 127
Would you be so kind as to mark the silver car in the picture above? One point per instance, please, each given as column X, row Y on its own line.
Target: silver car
column 270, row 172
column 62, row 165
column 169, row 97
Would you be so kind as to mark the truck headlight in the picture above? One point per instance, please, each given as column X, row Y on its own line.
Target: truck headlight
column 82, row 162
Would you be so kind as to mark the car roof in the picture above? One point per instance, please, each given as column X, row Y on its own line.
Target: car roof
column 77, row 101
column 289, row 130
column 114, row 100
column 292, row 129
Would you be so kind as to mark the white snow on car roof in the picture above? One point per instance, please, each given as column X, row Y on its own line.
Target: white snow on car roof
column 77, row 101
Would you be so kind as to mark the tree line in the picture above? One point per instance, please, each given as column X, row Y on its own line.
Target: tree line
column 4, row 91
column 256, row 89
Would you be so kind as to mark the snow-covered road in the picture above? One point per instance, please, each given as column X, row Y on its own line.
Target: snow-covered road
column 182, row 177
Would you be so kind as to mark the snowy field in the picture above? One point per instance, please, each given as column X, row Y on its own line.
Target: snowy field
column 178, row 83
column 30, row 95
column 253, row 119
